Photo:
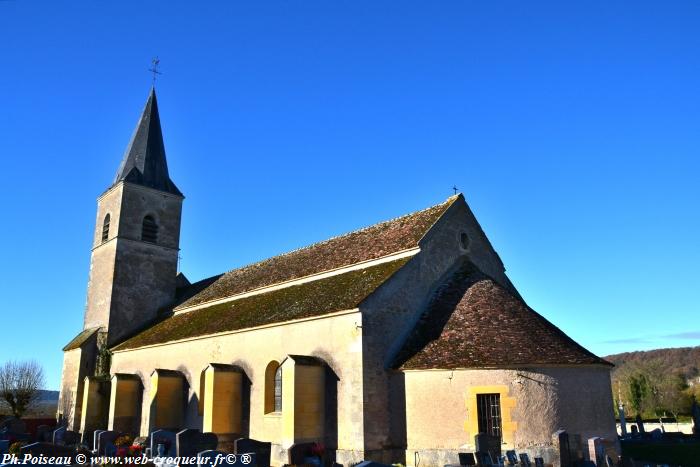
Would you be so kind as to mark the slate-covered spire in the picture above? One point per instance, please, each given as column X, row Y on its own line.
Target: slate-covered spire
column 144, row 161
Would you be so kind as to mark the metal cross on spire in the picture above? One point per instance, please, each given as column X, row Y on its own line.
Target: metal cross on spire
column 155, row 62
column 454, row 187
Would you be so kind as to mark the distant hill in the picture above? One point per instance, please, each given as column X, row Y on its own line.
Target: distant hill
column 45, row 406
column 657, row 382
column 683, row 360
column 48, row 396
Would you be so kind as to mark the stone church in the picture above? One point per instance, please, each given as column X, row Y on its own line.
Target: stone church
column 398, row 342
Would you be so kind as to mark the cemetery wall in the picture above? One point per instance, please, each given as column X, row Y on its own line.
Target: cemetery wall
column 336, row 339
column 534, row 404
column 390, row 314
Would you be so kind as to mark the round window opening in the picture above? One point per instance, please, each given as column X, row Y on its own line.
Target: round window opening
column 464, row 240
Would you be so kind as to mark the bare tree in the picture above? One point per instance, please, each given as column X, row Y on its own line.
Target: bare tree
column 66, row 406
column 20, row 383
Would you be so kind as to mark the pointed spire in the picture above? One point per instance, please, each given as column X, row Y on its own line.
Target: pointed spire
column 144, row 161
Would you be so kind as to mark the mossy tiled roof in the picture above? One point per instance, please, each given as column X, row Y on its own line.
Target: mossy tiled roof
column 473, row 322
column 319, row 297
column 362, row 245
column 80, row 339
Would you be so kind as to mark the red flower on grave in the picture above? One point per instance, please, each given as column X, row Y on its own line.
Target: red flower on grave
column 318, row 449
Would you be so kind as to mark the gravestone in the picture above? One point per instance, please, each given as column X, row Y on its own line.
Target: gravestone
column 576, row 448
column 483, row 458
column 561, row 442
column 5, row 434
column 187, row 443
column 213, row 457
column 489, row 444
column 58, row 435
column 105, row 443
column 208, row 442
column 525, row 460
column 166, row 438
column 640, row 424
column 14, row 425
column 596, row 452
column 43, row 433
column 466, row 458
column 261, row 449
column 623, row 420
column 298, row 451
column 46, row 449
column 512, row 457
column 95, row 435
column 71, row 438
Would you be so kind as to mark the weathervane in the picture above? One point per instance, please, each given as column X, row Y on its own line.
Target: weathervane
column 154, row 69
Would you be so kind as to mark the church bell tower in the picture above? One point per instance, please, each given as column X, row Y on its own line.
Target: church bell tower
column 133, row 268
column 133, row 265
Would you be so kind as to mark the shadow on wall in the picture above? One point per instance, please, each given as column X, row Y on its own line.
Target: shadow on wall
column 331, row 411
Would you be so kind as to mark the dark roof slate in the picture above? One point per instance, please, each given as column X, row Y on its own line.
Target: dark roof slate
column 80, row 339
column 316, row 298
column 366, row 244
column 144, row 161
column 473, row 322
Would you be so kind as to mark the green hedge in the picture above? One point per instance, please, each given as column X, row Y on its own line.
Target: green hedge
column 679, row 454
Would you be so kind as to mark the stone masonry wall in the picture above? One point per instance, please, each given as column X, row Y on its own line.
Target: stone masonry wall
column 131, row 280
column 336, row 340
column 535, row 402
column 391, row 313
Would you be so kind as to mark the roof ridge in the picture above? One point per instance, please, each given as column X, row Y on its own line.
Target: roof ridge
column 449, row 200
column 297, row 280
column 380, row 240
column 311, row 300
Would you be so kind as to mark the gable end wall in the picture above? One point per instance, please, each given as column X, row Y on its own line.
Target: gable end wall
column 391, row 312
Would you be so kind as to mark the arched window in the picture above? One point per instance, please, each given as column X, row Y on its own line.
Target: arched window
column 278, row 389
column 149, row 230
column 273, row 387
column 105, row 228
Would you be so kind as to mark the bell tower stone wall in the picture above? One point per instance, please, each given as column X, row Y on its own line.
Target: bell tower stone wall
column 131, row 278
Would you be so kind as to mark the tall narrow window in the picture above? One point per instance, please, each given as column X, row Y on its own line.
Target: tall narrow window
column 273, row 387
column 105, row 228
column 149, row 230
column 489, row 414
column 278, row 389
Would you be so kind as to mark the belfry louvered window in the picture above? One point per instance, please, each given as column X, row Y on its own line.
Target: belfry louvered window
column 149, row 230
column 489, row 414
column 105, row 228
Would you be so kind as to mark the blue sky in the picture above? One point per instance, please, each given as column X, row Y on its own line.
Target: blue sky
column 571, row 128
